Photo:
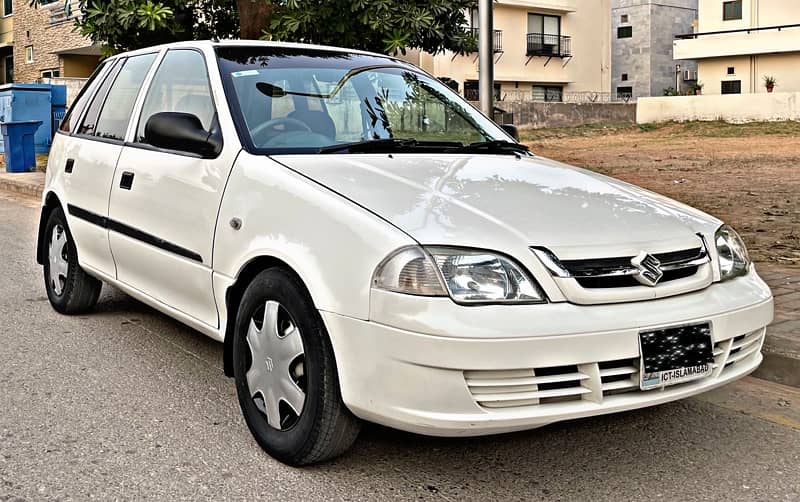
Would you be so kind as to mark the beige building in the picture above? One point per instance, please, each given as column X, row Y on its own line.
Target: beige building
column 46, row 43
column 738, row 43
column 544, row 50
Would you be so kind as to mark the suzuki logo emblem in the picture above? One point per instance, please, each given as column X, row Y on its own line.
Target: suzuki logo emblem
column 649, row 269
column 269, row 363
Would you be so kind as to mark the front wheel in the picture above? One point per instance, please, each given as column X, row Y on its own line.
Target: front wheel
column 285, row 373
column 69, row 288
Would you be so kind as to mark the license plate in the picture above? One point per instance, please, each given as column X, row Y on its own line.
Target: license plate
column 676, row 355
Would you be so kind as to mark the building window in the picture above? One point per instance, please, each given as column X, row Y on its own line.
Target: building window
column 624, row 92
column 625, row 32
column 623, row 19
column 29, row 54
column 51, row 73
column 732, row 87
column 9, row 69
column 731, row 70
column 732, row 10
column 624, row 77
column 550, row 93
column 8, row 7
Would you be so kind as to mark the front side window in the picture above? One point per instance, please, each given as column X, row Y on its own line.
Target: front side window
column 179, row 85
column 302, row 100
column 115, row 115
column 732, row 11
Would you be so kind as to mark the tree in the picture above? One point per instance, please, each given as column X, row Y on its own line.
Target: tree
column 122, row 25
column 388, row 26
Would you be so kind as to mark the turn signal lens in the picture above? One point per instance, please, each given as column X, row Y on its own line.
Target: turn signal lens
column 409, row 270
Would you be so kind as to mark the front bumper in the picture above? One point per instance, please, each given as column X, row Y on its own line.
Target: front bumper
column 446, row 370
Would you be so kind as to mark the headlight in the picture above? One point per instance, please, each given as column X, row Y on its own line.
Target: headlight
column 733, row 258
column 468, row 276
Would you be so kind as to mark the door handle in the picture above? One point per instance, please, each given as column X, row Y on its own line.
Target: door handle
column 126, row 182
column 70, row 165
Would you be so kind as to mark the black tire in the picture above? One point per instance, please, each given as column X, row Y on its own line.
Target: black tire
column 325, row 428
column 77, row 292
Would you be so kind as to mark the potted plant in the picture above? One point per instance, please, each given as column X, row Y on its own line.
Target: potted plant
column 697, row 88
column 769, row 82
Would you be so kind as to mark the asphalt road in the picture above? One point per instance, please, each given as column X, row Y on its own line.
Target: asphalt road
column 127, row 404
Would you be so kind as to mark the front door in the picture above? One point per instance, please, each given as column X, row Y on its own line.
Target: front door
column 164, row 204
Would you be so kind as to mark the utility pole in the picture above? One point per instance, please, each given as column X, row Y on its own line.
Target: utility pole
column 486, row 57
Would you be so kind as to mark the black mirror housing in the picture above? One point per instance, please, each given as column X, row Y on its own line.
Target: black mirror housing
column 182, row 132
column 511, row 130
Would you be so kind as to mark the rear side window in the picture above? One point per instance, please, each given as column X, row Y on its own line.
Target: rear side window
column 179, row 85
column 70, row 121
column 90, row 119
column 116, row 111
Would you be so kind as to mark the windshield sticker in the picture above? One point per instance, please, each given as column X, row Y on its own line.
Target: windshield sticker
column 245, row 73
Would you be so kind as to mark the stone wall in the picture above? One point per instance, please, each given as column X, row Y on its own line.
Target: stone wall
column 539, row 115
column 34, row 26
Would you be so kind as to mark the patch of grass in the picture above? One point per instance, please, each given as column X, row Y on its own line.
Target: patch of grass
column 719, row 129
column 586, row 130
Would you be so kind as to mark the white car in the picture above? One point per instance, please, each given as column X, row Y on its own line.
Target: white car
column 369, row 246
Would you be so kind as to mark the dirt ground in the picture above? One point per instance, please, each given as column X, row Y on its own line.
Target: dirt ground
column 747, row 175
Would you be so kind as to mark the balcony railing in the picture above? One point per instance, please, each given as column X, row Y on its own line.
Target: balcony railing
column 543, row 44
column 497, row 45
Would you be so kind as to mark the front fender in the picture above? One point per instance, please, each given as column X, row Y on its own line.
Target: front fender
column 332, row 243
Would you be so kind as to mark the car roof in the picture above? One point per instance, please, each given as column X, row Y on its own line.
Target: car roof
column 248, row 43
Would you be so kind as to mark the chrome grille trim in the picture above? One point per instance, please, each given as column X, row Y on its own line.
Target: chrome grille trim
column 613, row 267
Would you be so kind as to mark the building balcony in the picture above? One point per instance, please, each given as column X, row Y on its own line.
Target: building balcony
column 743, row 42
column 542, row 44
column 497, row 45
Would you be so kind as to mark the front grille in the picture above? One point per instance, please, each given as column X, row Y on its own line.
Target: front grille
column 591, row 382
column 620, row 273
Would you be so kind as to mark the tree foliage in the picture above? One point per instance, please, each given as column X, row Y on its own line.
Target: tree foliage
column 122, row 25
column 388, row 26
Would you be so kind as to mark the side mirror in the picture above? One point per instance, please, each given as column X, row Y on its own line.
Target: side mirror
column 511, row 130
column 182, row 132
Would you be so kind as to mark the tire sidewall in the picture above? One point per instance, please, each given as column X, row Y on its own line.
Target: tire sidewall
column 280, row 286
column 60, row 302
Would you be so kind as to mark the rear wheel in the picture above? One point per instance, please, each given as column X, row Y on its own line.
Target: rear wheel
column 69, row 288
column 285, row 373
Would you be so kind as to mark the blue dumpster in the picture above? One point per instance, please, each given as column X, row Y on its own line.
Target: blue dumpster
column 44, row 102
column 18, row 138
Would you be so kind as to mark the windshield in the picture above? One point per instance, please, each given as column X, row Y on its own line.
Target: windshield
column 305, row 100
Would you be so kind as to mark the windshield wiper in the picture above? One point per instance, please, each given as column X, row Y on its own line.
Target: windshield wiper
column 389, row 145
column 494, row 146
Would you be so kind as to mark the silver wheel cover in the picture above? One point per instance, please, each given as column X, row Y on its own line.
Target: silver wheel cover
column 277, row 366
column 58, row 260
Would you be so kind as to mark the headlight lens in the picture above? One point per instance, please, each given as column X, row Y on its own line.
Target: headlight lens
column 733, row 258
column 468, row 276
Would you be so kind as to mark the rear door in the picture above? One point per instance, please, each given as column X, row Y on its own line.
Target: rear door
column 164, row 203
column 88, row 148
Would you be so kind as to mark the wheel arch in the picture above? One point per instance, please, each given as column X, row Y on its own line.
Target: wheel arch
column 233, row 295
column 51, row 202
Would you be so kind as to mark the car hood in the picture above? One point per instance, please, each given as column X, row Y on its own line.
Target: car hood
column 494, row 201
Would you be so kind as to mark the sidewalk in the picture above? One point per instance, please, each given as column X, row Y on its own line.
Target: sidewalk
column 781, row 348
column 29, row 184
